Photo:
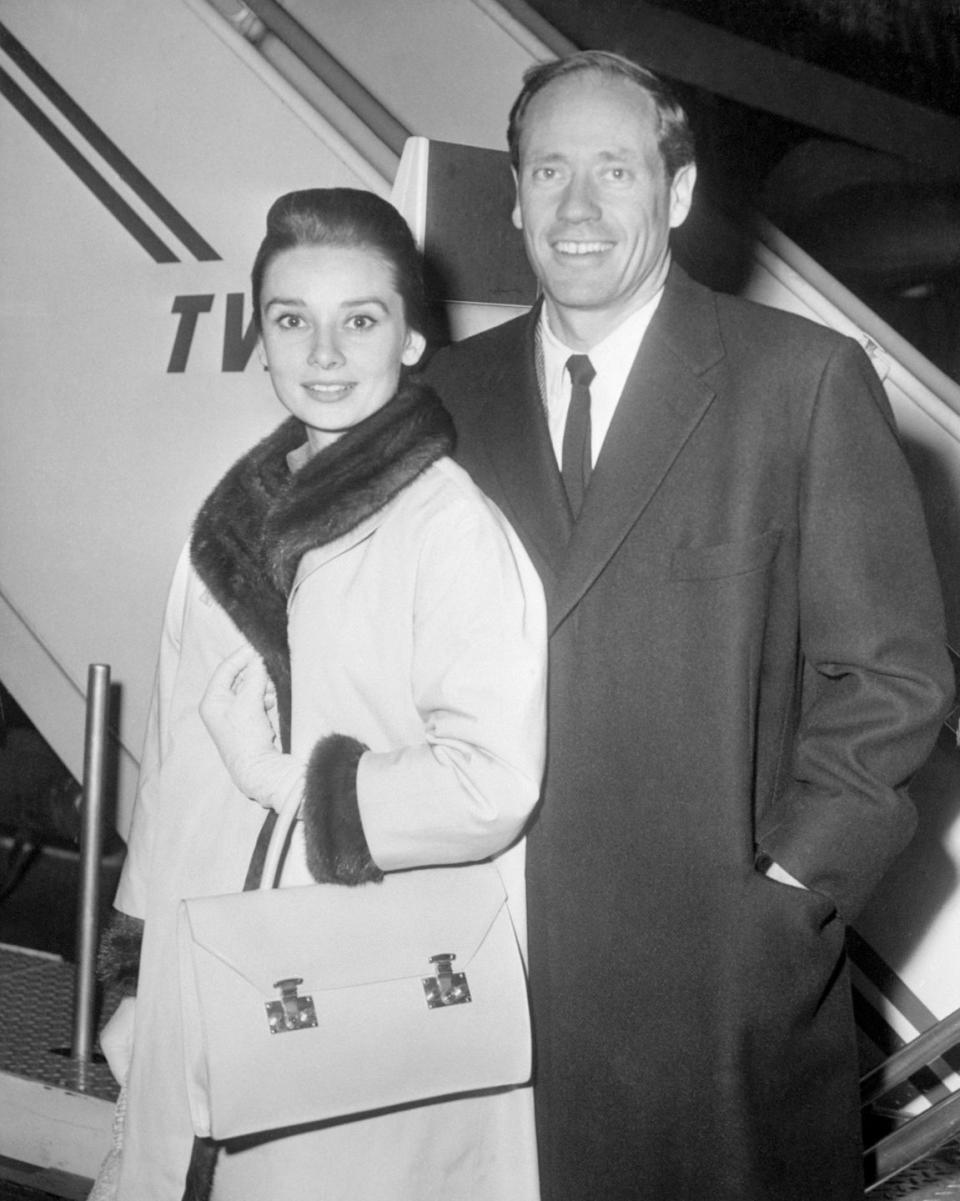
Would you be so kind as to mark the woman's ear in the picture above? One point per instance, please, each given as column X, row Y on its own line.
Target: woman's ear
column 413, row 348
column 262, row 355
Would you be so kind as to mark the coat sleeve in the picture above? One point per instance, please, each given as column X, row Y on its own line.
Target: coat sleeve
column 131, row 895
column 877, row 680
column 479, row 684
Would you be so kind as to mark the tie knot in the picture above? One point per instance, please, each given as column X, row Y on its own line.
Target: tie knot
column 581, row 370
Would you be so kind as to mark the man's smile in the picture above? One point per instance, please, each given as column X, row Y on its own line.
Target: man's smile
column 581, row 248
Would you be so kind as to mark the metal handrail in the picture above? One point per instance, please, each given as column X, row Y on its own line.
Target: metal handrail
column 91, row 842
column 334, row 75
column 916, row 1054
column 925, row 1131
column 921, row 1135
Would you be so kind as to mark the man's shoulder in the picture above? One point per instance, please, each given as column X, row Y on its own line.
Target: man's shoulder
column 759, row 325
column 488, row 346
column 762, row 355
column 777, row 324
column 801, row 352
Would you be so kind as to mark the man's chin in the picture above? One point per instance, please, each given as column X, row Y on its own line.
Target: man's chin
column 582, row 294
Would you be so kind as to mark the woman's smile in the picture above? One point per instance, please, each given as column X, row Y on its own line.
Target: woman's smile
column 329, row 390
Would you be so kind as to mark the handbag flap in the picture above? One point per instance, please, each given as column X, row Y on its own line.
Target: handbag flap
column 334, row 936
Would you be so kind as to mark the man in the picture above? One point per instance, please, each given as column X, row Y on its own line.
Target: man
column 747, row 665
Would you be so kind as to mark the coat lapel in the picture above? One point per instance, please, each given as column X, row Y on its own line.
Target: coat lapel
column 665, row 397
column 319, row 556
column 516, row 441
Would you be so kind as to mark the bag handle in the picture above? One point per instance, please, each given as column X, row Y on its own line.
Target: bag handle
column 279, row 837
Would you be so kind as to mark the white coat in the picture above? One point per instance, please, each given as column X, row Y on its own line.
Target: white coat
column 421, row 633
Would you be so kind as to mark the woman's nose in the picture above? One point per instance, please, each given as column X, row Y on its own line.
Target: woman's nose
column 579, row 202
column 325, row 349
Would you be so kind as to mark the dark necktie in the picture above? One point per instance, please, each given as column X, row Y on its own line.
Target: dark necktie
column 575, row 460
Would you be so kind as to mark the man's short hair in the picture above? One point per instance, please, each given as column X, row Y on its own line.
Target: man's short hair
column 674, row 136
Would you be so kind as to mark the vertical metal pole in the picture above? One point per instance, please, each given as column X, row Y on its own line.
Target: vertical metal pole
column 91, row 841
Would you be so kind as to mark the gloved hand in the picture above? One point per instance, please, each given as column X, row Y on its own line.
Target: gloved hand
column 238, row 710
column 116, row 1039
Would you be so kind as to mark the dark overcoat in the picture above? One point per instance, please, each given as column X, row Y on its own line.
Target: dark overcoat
column 747, row 658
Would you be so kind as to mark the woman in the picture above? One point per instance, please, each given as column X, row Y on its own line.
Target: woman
column 348, row 579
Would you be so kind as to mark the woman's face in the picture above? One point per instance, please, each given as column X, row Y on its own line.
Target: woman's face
column 334, row 336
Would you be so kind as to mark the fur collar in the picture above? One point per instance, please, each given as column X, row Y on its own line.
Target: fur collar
column 259, row 521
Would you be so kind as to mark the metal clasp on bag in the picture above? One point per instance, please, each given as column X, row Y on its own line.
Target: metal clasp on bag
column 291, row 1012
column 447, row 987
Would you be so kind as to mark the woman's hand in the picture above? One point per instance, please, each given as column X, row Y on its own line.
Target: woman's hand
column 239, row 711
column 116, row 1039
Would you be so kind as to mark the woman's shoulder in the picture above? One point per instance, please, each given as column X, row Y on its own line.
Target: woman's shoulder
column 455, row 531
column 443, row 502
column 446, row 487
column 450, row 475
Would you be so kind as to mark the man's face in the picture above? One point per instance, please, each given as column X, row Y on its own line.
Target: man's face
column 594, row 203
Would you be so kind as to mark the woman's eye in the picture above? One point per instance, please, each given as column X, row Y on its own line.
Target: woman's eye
column 290, row 321
column 360, row 321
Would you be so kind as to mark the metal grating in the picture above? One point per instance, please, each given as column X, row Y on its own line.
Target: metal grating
column 37, row 1029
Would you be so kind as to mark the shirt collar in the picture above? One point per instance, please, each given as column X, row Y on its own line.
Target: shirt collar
column 611, row 357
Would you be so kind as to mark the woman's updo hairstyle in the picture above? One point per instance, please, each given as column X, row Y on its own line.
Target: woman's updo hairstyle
column 345, row 217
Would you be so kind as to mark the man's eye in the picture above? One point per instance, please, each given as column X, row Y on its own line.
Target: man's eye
column 545, row 173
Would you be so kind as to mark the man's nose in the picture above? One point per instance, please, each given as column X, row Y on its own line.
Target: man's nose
column 579, row 200
column 325, row 349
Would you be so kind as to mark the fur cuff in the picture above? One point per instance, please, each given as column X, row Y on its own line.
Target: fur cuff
column 337, row 851
column 118, row 960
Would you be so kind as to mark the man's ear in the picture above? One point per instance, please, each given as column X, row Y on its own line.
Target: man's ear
column 413, row 348
column 681, row 193
column 516, row 216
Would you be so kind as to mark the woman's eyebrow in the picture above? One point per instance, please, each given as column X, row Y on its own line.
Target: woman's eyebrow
column 362, row 300
column 292, row 300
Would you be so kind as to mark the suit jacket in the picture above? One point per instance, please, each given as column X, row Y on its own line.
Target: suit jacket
column 747, row 655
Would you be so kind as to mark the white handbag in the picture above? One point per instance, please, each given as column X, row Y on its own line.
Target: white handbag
column 313, row 1003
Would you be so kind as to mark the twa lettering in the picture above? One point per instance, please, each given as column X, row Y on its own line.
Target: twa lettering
column 238, row 341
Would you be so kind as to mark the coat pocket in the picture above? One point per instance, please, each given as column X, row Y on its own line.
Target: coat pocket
column 726, row 558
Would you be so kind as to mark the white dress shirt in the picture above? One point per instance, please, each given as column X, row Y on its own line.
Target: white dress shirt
column 612, row 359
